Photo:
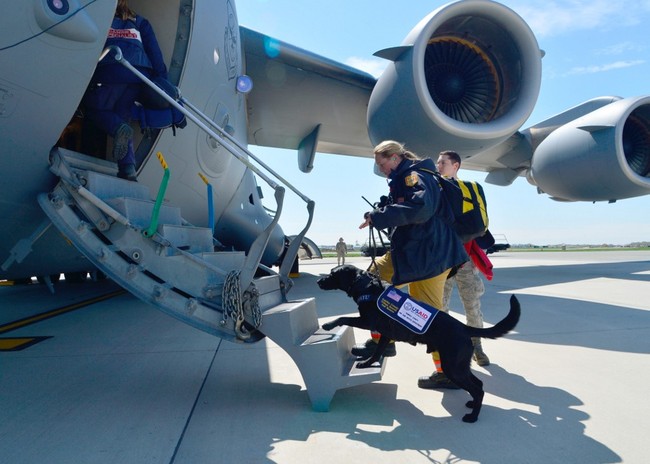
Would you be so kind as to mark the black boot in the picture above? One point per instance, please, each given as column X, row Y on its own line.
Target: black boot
column 479, row 355
column 127, row 171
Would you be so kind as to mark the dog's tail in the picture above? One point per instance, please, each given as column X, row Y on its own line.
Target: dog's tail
column 502, row 327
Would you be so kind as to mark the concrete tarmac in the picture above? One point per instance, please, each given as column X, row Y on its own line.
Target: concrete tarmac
column 117, row 381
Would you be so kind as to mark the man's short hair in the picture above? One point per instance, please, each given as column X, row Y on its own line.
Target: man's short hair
column 452, row 155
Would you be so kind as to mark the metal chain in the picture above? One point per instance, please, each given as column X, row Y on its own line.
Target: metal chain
column 255, row 305
column 233, row 307
column 230, row 295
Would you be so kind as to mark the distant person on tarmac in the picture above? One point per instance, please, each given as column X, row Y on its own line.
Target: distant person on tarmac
column 341, row 251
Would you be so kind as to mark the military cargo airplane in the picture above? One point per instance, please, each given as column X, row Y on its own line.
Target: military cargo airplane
column 192, row 236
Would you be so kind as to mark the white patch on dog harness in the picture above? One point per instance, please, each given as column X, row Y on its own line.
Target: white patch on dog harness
column 412, row 314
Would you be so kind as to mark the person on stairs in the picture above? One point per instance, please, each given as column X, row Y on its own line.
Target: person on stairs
column 114, row 88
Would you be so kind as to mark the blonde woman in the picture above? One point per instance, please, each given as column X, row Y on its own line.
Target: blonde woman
column 423, row 246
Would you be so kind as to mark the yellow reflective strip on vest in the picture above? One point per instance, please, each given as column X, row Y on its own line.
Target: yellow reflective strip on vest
column 481, row 205
column 468, row 205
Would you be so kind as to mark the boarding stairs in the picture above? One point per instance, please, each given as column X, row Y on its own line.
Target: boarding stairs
column 145, row 246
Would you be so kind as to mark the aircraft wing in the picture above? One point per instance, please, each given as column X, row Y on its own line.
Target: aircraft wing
column 466, row 78
column 299, row 98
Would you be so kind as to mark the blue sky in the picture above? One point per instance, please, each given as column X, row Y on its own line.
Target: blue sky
column 593, row 48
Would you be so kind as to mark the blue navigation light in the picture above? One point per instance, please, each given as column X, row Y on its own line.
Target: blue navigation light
column 59, row 7
column 244, row 84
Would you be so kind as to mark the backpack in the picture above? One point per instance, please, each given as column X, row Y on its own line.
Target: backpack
column 468, row 206
column 150, row 119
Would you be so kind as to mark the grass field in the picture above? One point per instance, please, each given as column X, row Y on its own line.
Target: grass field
column 549, row 249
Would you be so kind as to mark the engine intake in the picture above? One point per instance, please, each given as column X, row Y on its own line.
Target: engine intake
column 468, row 75
column 462, row 80
column 601, row 156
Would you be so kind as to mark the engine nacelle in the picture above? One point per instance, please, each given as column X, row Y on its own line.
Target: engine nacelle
column 602, row 156
column 465, row 78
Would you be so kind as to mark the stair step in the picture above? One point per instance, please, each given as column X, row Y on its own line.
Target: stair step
column 328, row 366
column 226, row 260
column 107, row 187
column 343, row 338
column 293, row 322
column 322, row 356
column 80, row 161
column 188, row 238
column 139, row 211
column 270, row 294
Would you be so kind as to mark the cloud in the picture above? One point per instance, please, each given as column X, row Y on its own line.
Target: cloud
column 373, row 66
column 620, row 48
column 549, row 18
column 605, row 67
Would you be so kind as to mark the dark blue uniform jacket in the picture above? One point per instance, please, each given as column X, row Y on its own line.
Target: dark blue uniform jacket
column 139, row 46
column 423, row 244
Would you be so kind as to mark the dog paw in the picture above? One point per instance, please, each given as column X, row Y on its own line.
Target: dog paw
column 367, row 364
column 329, row 326
column 470, row 418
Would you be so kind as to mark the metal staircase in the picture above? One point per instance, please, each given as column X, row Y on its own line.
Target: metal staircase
column 146, row 246
column 180, row 270
column 322, row 356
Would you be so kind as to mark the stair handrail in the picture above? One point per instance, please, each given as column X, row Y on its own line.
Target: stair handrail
column 294, row 246
column 124, row 62
column 233, row 140
column 253, row 259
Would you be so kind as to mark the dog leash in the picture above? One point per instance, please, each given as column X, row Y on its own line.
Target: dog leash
column 371, row 240
column 372, row 268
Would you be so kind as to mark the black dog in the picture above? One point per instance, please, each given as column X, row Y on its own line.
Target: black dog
column 450, row 337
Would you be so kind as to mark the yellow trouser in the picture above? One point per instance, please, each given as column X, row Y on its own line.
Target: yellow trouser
column 430, row 291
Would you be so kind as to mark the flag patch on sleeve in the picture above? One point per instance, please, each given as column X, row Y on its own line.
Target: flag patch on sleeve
column 412, row 179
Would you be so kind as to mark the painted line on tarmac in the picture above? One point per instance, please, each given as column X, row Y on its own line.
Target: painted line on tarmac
column 20, row 343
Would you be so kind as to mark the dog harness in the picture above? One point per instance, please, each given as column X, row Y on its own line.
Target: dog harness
column 412, row 314
column 363, row 298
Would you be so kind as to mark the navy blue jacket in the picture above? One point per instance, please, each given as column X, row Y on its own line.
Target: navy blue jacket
column 139, row 46
column 423, row 244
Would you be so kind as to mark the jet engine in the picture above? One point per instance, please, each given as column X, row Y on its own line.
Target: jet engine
column 601, row 156
column 465, row 78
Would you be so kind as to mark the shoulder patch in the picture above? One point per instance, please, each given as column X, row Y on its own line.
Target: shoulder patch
column 412, row 179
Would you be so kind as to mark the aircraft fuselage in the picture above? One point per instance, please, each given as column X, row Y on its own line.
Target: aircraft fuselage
column 47, row 59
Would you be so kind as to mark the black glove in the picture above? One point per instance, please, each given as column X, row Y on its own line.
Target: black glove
column 383, row 201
